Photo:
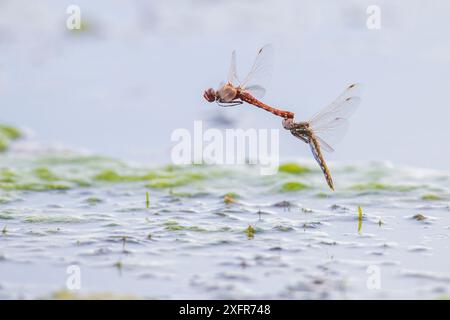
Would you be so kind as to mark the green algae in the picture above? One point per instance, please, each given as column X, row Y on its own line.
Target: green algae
column 293, row 186
column 180, row 194
column 283, row 228
column 6, row 215
column 377, row 186
column 8, row 176
column 93, row 201
column 112, row 176
column 52, row 219
column 322, row 195
column 250, row 232
column 7, row 134
column 173, row 182
column 431, row 197
column 4, row 144
column 34, row 186
column 293, row 168
column 45, row 174
column 172, row 225
column 10, row 132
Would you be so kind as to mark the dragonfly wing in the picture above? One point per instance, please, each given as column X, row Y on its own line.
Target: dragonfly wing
column 324, row 145
column 259, row 76
column 332, row 132
column 342, row 107
column 232, row 75
column 330, row 125
column 256, row 90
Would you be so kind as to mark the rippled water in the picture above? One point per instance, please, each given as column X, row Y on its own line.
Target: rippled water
column 220, row 232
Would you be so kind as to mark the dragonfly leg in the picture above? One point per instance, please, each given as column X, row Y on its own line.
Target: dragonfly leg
column 230, row 104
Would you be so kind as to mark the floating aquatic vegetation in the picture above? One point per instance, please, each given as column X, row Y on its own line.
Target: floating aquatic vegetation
column 52, row 219
column 283, row 228
column 6, row 216
column 377, row 186
column 112, row 176
column 322, row 195
column 228, row 198
column 180, row 194
column 419, row 217
column 93, row 201
column 65, row 294
column 293, row 186
column 34, row 186
column 360, row 218
column 250, row 232
column 7, row 134
column 293, row 168
column 45, row 174
column 431, row 197
column 172, row 225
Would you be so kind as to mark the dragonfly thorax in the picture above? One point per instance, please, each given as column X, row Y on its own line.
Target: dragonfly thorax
column 226, row 93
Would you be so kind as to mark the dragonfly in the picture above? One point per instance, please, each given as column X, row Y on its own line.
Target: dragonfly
column 327, row 127
column 251, row 89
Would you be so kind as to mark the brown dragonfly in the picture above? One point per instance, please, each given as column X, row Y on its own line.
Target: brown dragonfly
column 326, row 127
column 251, row 89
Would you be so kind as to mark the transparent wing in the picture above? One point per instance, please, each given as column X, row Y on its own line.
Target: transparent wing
column 325, row 146
column 330, row 125
column 260, row 73
column 342, row 107
column 232, row 75
column 332, row 133
column 256, row 90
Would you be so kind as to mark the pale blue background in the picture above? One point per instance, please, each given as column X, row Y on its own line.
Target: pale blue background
column 139, row 70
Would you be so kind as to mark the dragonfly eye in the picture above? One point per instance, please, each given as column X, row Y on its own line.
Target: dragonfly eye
column 210, row 95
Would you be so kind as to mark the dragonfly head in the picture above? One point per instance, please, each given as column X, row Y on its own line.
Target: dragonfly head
column 210, row 95
column 288, row 123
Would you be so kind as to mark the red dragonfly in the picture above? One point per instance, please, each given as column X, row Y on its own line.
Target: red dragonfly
column 329, row 125
column 251, row 89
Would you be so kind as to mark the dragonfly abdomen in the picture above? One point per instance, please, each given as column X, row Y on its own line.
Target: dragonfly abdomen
column 317, row 153
column 244, row 96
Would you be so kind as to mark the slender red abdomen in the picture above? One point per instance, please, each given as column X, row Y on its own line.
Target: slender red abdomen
column 245, row 96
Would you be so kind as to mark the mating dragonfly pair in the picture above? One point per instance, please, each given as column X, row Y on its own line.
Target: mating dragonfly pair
column 326, row 127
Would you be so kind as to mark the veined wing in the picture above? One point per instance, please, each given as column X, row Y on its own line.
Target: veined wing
column 259, row 76
column 232, row 75
column 330, row 125
column 342, row 107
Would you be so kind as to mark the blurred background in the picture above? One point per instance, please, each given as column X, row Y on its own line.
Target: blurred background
column 137, row 69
